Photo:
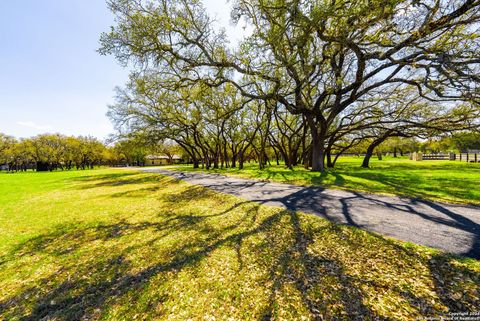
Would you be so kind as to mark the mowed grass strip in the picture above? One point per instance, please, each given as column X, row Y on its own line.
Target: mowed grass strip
column 448, row 181
column 122, row 245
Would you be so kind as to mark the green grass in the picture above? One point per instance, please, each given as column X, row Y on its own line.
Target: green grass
column 449, row 181
column 123, row 245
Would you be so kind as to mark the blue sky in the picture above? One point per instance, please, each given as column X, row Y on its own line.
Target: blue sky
column 51, row 77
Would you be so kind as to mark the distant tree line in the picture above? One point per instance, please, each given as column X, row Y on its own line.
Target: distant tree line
column 457, row 143
column 49, row 152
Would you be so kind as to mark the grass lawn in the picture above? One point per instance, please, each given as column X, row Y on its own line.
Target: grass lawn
column 121, row 245
column 449, row 181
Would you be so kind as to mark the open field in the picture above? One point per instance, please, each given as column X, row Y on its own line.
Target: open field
column 121, row 245
column 447, row 181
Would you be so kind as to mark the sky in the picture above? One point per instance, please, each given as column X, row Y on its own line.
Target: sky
column 51, row 77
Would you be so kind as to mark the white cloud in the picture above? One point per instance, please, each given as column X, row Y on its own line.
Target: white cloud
column 31, row 124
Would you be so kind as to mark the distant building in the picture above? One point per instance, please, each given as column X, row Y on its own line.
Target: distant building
column 152, row 160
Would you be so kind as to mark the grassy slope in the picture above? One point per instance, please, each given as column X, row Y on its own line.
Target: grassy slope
column 436, row 180
column 118, row 245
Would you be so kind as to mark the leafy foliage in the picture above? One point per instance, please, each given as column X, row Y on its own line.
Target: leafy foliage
column 348, row 70
column 52, row 150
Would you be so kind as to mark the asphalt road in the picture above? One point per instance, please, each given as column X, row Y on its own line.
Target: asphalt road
column 452, row 228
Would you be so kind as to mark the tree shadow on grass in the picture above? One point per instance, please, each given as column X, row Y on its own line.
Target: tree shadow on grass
column 451, row 280
column 115, row 180
column 401, row 179
column 107, row 277
column 411, row 185
column 136, row 193
column 114, row 266
column 86, row 290
column 322, row 177
column 321, row 282
column 438, row 215
column 103, row 177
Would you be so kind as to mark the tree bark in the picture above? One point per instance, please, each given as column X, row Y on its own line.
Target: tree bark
column 234, row 160
column 318, row 155
column 318, row 144
column 328, row 153
column 240, row 160
column 371, row 148
column 368, row 155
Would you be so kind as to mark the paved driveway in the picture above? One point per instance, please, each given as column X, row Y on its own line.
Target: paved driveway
column 452, row 228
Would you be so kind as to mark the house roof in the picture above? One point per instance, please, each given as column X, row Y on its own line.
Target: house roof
column 162, row 157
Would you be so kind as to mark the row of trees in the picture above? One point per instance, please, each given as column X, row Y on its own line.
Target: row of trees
column 134, row 150
column 313, row 80
column 458, row 142
column 218, row 127
column 48, row 152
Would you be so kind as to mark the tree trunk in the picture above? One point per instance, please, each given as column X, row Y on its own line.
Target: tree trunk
column 318, row 155
column 335, row 159
column 318, row 145
column 307, row 157
column 240, row 162
column 292, row 153
column 286, row 158
column 225, row 154
column 368, row 155
column 371, row 148
column 317, row 149
column 277, row 159
column 328, row 153
column 293, row 159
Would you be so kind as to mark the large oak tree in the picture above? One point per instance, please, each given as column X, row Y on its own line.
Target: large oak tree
column 316, row 58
